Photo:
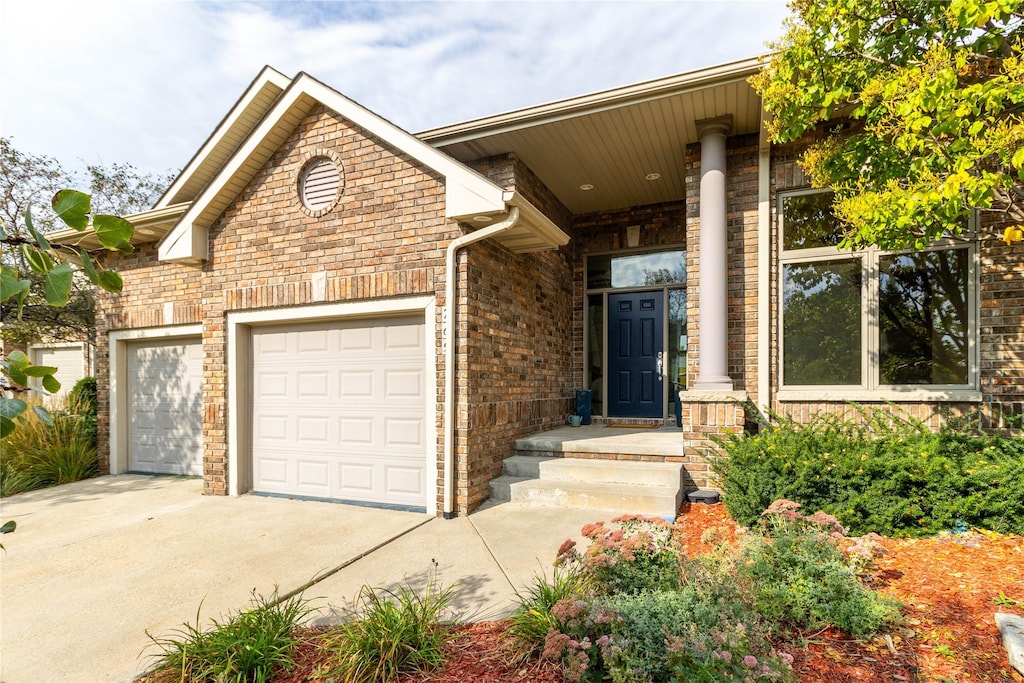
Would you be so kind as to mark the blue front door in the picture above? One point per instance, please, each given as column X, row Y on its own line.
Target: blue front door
column 636, row 358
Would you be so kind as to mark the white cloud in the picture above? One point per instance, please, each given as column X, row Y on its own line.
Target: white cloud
column 145, row 82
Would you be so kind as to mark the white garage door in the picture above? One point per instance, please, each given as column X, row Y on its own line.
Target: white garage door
column 69, row 361
column 339, row 410
column 165, row 396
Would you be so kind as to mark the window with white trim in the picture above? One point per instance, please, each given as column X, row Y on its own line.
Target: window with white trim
column 871, row 320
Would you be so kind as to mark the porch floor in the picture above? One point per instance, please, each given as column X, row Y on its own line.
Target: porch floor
column 601, row 439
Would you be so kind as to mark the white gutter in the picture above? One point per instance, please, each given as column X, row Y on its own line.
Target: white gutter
column 450, row 277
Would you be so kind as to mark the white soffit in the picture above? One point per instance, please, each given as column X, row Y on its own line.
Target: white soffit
column 612, row 140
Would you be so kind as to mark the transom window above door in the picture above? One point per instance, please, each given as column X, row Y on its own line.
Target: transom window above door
column 636, row 269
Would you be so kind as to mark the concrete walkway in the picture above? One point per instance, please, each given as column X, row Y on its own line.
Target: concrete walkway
column 95, row 565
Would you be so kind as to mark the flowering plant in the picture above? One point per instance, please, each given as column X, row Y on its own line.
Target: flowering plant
column 631, row 554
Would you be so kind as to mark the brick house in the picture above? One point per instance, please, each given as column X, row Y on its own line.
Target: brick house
column 325, row 305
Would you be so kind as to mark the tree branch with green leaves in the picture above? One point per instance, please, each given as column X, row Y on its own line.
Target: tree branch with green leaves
column 48, row 267
column 922, row 106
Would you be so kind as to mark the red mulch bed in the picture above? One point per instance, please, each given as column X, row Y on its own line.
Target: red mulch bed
column 475, row 656
column 949, row 587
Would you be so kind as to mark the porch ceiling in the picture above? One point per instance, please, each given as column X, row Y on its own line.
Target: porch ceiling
column 613, row 139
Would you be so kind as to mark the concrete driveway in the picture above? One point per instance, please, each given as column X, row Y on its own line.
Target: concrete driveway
column 95, row 565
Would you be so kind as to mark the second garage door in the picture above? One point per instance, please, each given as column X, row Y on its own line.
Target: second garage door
column 165, row 397
column 339, row 410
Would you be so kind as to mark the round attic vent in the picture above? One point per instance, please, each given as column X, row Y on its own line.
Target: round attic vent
column 320, row 184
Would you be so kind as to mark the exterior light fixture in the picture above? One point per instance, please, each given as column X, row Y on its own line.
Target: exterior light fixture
column 652, row 176
column 586, row 187
column 633, row 236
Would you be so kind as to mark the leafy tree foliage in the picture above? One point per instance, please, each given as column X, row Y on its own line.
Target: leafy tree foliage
column 28, row 180
column 931, row 96
column 37, row 277
column 47, row 266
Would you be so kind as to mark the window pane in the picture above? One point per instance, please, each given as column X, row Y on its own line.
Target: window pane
column 595, row 352
column 677, row 341
column 821, row 323
column 636, row 270
column 807, row 221
column 923, row 318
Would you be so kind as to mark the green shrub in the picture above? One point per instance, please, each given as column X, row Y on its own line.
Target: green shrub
column 799, row 576
column 37, row 455
column 394, row 633
column 713, row 619
column 82, row 397
column 532, row 618
column 248, row 647
column 884, row 474
column 82, row 402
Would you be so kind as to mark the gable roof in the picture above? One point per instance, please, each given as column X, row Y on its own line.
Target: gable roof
column 229, row 134
column 467, row 193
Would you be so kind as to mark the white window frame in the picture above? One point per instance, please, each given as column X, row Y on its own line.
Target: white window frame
column 871, row 389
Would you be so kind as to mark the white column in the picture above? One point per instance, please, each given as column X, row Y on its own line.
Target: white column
column 713, row 307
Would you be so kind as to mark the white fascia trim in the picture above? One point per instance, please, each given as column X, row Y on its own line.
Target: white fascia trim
column 268, row 76
column 239, row 358
column 54, row 345
column 118, row 369
column 153, row 219
column 536, row 220
column 186, row 242
column 467, row 192
column 595, row 102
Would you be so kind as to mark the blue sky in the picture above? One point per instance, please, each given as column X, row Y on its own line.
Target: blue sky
column 146, row 81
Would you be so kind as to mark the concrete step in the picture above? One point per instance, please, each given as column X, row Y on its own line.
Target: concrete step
column 597, row 439
column 595, row 470
column 661, row 501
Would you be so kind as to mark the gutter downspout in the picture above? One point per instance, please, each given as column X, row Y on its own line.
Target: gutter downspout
column 449, row 346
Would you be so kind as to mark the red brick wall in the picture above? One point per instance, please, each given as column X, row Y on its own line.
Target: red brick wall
column 517, row 352
column 148, row 285
column 515, row 345
column 386, row 237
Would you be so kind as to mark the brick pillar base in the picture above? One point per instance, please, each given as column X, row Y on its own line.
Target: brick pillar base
column 706, row 414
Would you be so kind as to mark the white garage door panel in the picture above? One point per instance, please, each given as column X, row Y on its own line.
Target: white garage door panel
column 69, row 361
column 165, row 393
column 338, row 410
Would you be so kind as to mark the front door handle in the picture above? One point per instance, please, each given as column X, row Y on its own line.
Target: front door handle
column 661, row 365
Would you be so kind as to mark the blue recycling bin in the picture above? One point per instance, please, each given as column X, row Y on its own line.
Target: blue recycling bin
column 583, row 397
